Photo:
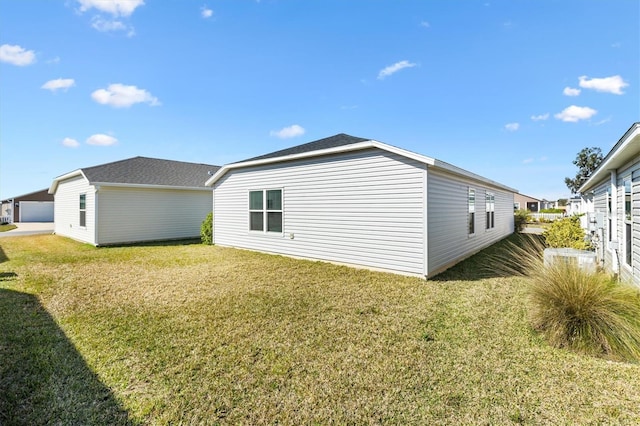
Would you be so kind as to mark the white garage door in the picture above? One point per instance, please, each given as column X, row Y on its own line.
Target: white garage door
column 36, row 211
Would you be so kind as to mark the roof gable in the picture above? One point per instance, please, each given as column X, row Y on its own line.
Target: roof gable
column 335, row 141
column 341, row 143
column 144, row 171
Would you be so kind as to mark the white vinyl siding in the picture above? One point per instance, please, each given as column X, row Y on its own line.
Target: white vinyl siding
column 449, row 241
column 67, row 211
column 363, row 208
column 127, row 215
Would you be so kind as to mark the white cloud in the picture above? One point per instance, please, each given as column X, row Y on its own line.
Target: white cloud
column 106, row 25
column 540, row 117
column 527, row 161
column 70, row 143
column 55, row 60
column 206, row 12
column 512, row 127
column 60, row 83
column 574, row 114
column 101, row 139
column 425, row 24
column 288, row 132
column 613, row 84
column 16, row 55
column 392, row 69
column 114, row 7
column 570, row 91
column 121, row 96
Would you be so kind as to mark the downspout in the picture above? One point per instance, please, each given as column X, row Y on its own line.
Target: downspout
column 615, row 245
column 95, row 215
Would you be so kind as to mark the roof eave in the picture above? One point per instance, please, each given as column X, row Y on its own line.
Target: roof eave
column 56, row 181
column 617, row 154
column 318, row 153
column 465, row 173
column 149, row 186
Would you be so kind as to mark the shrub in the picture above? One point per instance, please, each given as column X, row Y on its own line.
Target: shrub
column 573, row 308
column 521, row 217
column 551, row 211
column 566, row 233
column 206, row 229
column 585, row 311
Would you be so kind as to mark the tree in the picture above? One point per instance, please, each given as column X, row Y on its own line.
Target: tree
column 562, row 202
column 587, row 161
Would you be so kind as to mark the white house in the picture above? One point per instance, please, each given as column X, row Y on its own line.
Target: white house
column 133, row 200
column 615, row 189
column 361, row 202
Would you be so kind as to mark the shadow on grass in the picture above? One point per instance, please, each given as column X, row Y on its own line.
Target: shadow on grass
column 490, row 262
column 3, row 256
column 160, row 243
column 43, row 379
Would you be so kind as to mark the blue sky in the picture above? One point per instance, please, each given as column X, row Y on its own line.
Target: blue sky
column 511, row 90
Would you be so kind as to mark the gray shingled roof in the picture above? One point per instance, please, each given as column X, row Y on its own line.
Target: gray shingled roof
column 151, row 171
column 340, row 139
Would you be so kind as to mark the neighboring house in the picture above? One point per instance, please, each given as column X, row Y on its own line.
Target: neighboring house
column 33, row 207
column 615, row 188
column 357, row 201
column 133, row 200
column 524, row 202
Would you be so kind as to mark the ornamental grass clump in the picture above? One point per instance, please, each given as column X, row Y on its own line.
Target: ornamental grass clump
column 573, row 308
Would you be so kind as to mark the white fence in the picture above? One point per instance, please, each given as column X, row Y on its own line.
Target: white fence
column 546, row 216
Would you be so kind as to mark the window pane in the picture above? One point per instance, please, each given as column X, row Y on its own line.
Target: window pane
column 627, row 199
column 472, row 201
column 83, row 201
column 274, row 222
column 628, row 243
column 488, row 220
column 274, row 199
column 255, row 200
column 256, row 221
column 83, row 218
column 472, row 223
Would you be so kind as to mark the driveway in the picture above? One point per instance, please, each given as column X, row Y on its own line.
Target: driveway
column 29, row 228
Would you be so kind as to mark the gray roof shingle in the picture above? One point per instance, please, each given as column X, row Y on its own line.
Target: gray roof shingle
column 151, row 171
column 340, row 139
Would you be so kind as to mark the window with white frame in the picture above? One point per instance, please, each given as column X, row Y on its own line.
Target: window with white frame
column 627, row 221
column 265, row 210
column 490, row 207
column 83, row 209
column 472, row 211
column 609, row 215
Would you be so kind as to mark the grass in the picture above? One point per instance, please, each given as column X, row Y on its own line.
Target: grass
column 7, row 227
column 203, row 334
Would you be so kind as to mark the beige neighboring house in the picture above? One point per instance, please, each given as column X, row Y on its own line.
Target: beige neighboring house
column 524, row 202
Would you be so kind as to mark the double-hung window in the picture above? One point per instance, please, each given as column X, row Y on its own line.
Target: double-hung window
column 609, row 216
column 490, row 207
column 627, row 221
column 83, row 209
column 265, row 210
column 472, row 211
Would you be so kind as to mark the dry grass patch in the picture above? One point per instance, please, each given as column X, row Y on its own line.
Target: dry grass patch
column 204, row 334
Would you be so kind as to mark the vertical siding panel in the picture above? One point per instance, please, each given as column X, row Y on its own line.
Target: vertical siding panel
column 364, row 208
column 67, row 210
column 449, row 240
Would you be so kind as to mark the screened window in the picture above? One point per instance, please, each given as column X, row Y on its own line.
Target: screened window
column 265, row 210
column 83, row 209
column 490, row 207
column 472, row 211
column 627, row 221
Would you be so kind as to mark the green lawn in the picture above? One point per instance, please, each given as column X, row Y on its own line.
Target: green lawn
column 170, row 334
column 7, row 227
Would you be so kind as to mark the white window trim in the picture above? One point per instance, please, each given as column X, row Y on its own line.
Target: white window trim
column 265, row 212
column 82, row 210
column 490, row 209
column 469, row 207
column 625, row 222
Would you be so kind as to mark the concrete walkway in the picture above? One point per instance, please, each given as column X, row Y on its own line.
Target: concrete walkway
column 29, row 228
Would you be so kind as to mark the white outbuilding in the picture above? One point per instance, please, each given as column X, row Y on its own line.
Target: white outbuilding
column 133, row 200
column 357, row 201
